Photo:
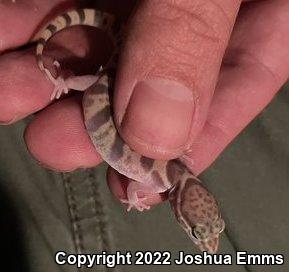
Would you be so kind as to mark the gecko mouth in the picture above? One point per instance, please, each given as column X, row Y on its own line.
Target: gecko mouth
column 210, row 245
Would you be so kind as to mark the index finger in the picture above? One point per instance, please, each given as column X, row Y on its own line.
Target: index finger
column 20, row 20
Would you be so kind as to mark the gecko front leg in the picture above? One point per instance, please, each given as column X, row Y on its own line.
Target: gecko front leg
column 66, row 81
column 133, row 199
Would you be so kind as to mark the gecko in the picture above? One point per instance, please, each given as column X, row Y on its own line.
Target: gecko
column 195, row 208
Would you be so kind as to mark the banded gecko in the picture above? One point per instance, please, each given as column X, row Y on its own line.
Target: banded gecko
column 195, row 208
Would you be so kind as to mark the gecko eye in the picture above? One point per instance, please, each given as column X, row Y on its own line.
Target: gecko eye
column 219, row 226
column 200, row 232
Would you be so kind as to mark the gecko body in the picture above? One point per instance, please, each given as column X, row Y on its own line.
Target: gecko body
column 195, row 208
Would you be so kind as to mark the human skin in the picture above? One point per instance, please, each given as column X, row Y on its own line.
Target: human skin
column 191, row 76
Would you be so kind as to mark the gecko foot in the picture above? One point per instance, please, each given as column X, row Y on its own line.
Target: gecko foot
column 136, row 203
column 133, row 199
column 138, row 193
column 60, row 86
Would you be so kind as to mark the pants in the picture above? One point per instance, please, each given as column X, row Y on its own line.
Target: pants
column 43, row 212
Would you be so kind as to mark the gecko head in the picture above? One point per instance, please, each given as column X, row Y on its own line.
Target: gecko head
column 206, row 236
column 198, row 214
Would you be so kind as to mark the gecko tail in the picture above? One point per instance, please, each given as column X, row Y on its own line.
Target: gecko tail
column 88, row 17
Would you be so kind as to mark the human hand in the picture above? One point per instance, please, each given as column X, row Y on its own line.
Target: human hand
column 188, row 107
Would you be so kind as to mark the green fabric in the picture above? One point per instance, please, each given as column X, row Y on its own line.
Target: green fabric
column 43, row 212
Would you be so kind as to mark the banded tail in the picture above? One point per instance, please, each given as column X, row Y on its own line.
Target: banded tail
column 88, row 17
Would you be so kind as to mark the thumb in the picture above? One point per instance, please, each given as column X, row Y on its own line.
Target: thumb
column 168, row 71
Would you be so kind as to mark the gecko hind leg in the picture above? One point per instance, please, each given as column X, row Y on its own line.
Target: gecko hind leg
column 133, row 200
column 59, row 82
column 66, row 81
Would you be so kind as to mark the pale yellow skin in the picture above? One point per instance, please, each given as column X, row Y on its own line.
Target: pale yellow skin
column 195, row 208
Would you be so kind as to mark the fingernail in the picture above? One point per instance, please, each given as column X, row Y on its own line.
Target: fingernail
column 159, row 113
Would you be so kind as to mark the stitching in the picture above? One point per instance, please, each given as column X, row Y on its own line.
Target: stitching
column 85, row 194
column 74, row 216
column 98, row 210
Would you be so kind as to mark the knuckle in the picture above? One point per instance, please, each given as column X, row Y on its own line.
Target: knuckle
column 242, row 58
column 181, row 34
column 194, row 19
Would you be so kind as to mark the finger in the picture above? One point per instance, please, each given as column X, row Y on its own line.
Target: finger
column 255, row 67
column 24, row 89
column 19, row 21
column 57, row 137
column 167, row 72
column 118, row 185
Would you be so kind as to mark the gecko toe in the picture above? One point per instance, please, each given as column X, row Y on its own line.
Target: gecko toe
column 138, row 204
